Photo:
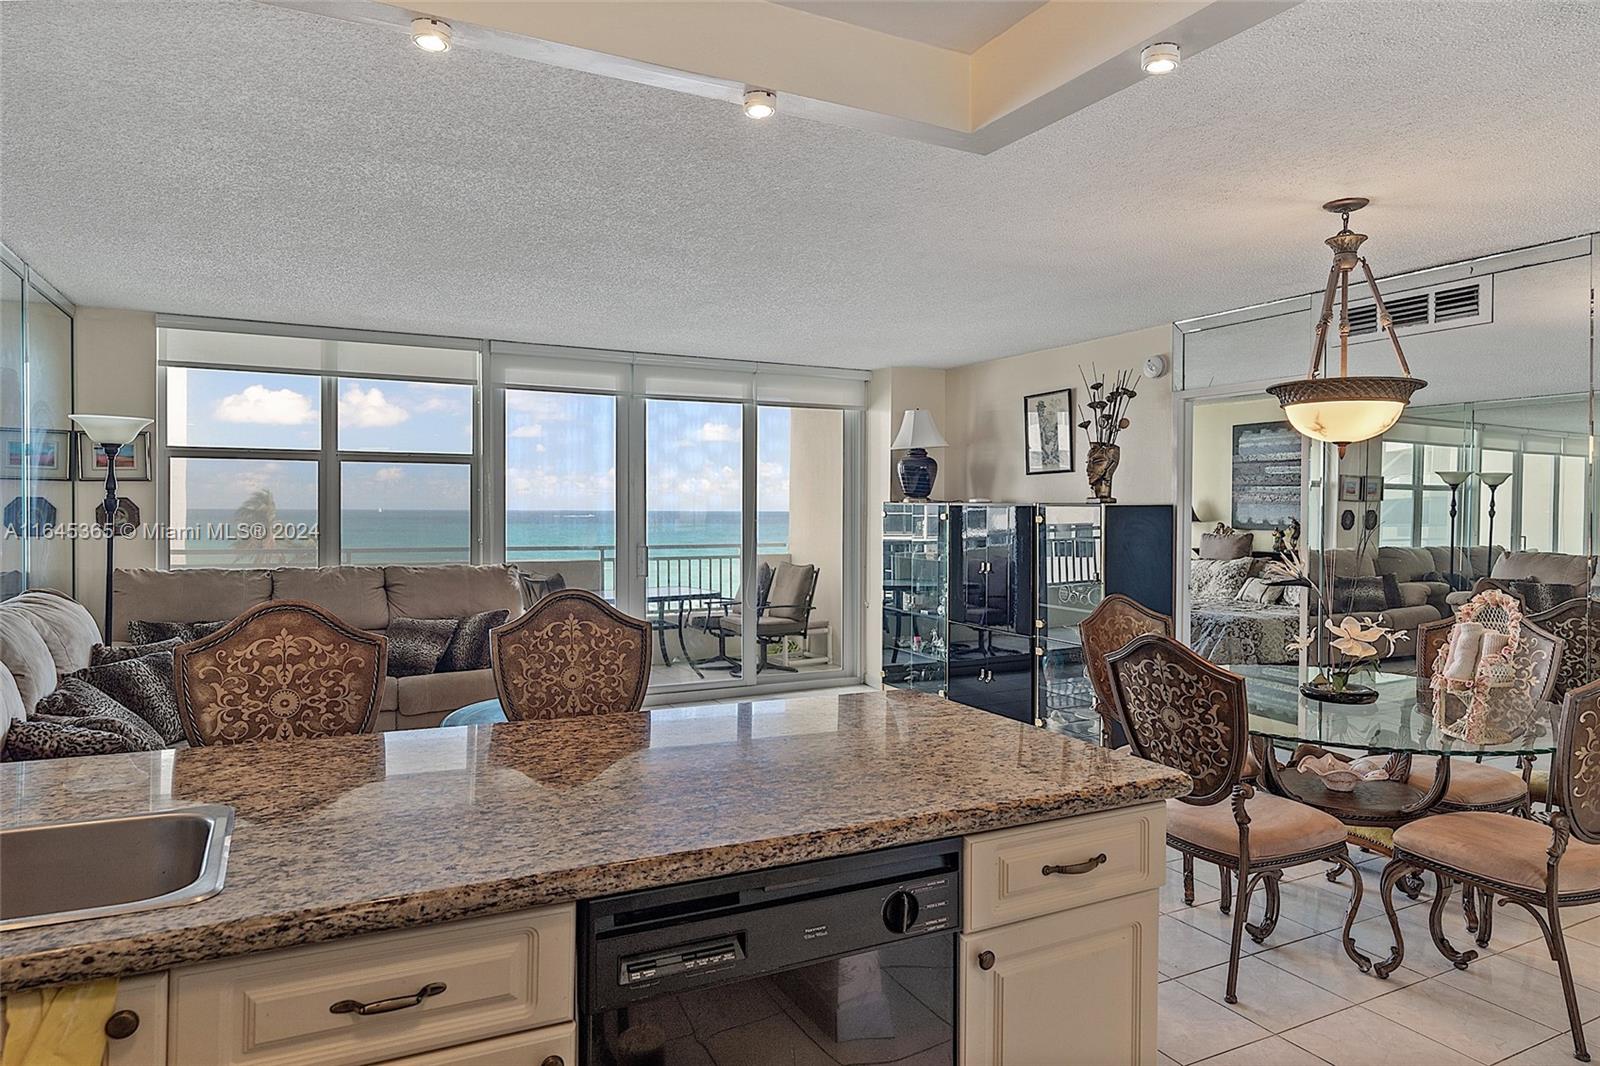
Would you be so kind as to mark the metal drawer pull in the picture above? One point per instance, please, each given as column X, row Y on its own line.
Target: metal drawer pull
column 554, row 1060
column 985, row 960
column 122, row 1024
column 1076, row 868
column 384, row 1006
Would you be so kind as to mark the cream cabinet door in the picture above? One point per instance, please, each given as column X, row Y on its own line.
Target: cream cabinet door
column 146, row 996
column 1076, row 988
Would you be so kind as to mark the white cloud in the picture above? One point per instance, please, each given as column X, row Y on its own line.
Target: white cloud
column 368, row 409
column 263, row 406
column 389, row 474
column 718, row 433
column 532, row 429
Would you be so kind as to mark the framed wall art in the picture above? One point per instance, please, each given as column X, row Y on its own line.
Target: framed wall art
column 45, row 454
column 1047, row 431
column 133, row 461
column 1266, row 475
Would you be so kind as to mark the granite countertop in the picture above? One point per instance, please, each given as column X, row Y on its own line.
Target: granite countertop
column 356, row 834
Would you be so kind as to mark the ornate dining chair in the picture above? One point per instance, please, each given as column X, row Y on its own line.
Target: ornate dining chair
column 1114, row 622
column 283, row 670
column 1179, row 710
column 569, row 655
column 1577, row 622
column 1540, row 868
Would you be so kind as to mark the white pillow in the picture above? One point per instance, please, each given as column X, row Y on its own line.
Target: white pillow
column 1256, row 590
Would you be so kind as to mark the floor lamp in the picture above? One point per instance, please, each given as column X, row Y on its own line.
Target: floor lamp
column 111, row 433
column 1455, row 479
column 1493, row 479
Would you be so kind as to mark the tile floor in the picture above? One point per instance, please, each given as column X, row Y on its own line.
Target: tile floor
column 1302, row 1001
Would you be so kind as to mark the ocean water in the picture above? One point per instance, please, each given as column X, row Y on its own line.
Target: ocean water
column 686, row 547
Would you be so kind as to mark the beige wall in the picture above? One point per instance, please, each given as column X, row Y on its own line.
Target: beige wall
column 115, row 374
column 986, row 432
column 1212, row 459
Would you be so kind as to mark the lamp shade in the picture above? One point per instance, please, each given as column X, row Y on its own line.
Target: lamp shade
column 1345, row 410
column 918, row 431
column 1453, row 478
column 1494, row 478
column 112, row 429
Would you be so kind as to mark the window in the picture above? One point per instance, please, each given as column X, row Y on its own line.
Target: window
column 285, row 450
column 561, row 487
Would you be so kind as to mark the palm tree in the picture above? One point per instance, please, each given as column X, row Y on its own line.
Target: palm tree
column 256, row 529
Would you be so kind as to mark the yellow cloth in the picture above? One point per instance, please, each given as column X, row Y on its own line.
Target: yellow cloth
column 59, row 1026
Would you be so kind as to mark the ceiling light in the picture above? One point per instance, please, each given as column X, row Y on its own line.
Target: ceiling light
column 430, row 35
column 760, row 103
column 1342, row 410
column 1160, row 58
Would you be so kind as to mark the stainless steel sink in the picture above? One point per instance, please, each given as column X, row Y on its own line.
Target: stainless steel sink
column 70, row 871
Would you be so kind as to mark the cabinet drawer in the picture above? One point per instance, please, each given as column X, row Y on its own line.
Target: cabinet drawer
column 555, row 1046
column 500, row 975
column 1004, row 871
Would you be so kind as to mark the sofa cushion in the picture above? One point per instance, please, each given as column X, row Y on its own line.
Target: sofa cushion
column 389, row 698
column 68, row 629
column 353, row 594
column 469, row 646
column 1414, row 593
column 12, row 709
column 1552, row 568
column 144, row 686
column 416, row 644
column 442, row 693
column 26, row 655
column 103, row 654
column 185, row 595
column 49, row 737
column 452, row 591
column 146, row 634
column 1406, row 564
column 1226, row 545
column 77, row 699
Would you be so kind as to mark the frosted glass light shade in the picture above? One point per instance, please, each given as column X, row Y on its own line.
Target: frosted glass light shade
column 1453, row 478
column 111, row 429
column 1494, row 478
column 1345, row 410
column 917, row 430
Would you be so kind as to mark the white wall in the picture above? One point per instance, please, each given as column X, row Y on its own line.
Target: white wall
column 115, row 374
column 985, row 426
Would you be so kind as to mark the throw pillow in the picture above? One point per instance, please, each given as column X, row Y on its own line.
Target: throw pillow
column 79, row 701
column 469, row 648
column 1391, row 591
column 1226, row 545
column 1359, row 595
column 142, row 632
column 1539, row 596
column 1256, row 590
column 101, row 654
column 1227, row 578
column 43, row 737
column 144, row 686
column 417, row 644
column 536, row 587
column 1201, row 572
column 1433, row 576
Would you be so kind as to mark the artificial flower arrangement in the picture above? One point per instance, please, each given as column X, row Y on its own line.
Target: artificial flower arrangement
column 1355, row 642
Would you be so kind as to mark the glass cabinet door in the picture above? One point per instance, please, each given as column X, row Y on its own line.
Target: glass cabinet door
column 992, row 669
column 916, row 581
column 1066, row 699
column 1070, row 579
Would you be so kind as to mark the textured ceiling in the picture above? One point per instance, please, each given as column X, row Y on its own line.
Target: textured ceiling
column 244, row 160
column 961, row 25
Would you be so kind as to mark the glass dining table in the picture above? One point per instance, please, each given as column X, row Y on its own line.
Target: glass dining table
column 1399, row 723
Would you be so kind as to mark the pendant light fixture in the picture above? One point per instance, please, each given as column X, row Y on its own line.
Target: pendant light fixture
column 1343, row 410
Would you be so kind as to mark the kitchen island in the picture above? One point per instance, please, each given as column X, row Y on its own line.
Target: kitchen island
column 350, row 839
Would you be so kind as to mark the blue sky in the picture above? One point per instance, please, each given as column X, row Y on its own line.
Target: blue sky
column 559, row 448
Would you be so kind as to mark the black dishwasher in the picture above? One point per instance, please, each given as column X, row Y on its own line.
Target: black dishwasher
column 847, row 960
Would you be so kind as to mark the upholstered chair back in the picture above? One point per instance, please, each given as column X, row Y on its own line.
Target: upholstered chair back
column 793, row 587
column 1576, row 779
column 1577, row 623
column 1180, row 710
column 282, row 670
column 571, row 654
column 1109, row 627
column 1430, row 637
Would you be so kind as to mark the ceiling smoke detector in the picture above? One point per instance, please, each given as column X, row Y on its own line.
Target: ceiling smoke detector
column 430, row 35
column 1160, row 58
column 760, row 103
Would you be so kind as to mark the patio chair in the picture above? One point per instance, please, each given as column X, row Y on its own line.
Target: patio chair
column 1538, row 867
column 787, row 612
column 283, row 670
column 1180, row 710
column 715, row 614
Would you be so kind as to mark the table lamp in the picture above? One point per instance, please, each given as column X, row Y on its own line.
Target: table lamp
column 111, row 433
column 916, row 469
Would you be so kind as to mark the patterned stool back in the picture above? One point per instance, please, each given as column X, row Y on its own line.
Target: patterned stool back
column 571, row 654
column 283, row 670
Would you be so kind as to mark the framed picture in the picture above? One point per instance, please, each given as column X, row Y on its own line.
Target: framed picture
column 1047, row 431
column 133, row 461
column 1266, row 475
column 1372, row 488
column 1350, row 487
column 45, row 454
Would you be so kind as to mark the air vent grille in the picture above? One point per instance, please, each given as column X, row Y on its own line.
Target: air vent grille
column 1457, row 305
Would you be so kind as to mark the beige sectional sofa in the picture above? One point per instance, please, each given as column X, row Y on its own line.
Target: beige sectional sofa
column 43, row 635
column 365, row 596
